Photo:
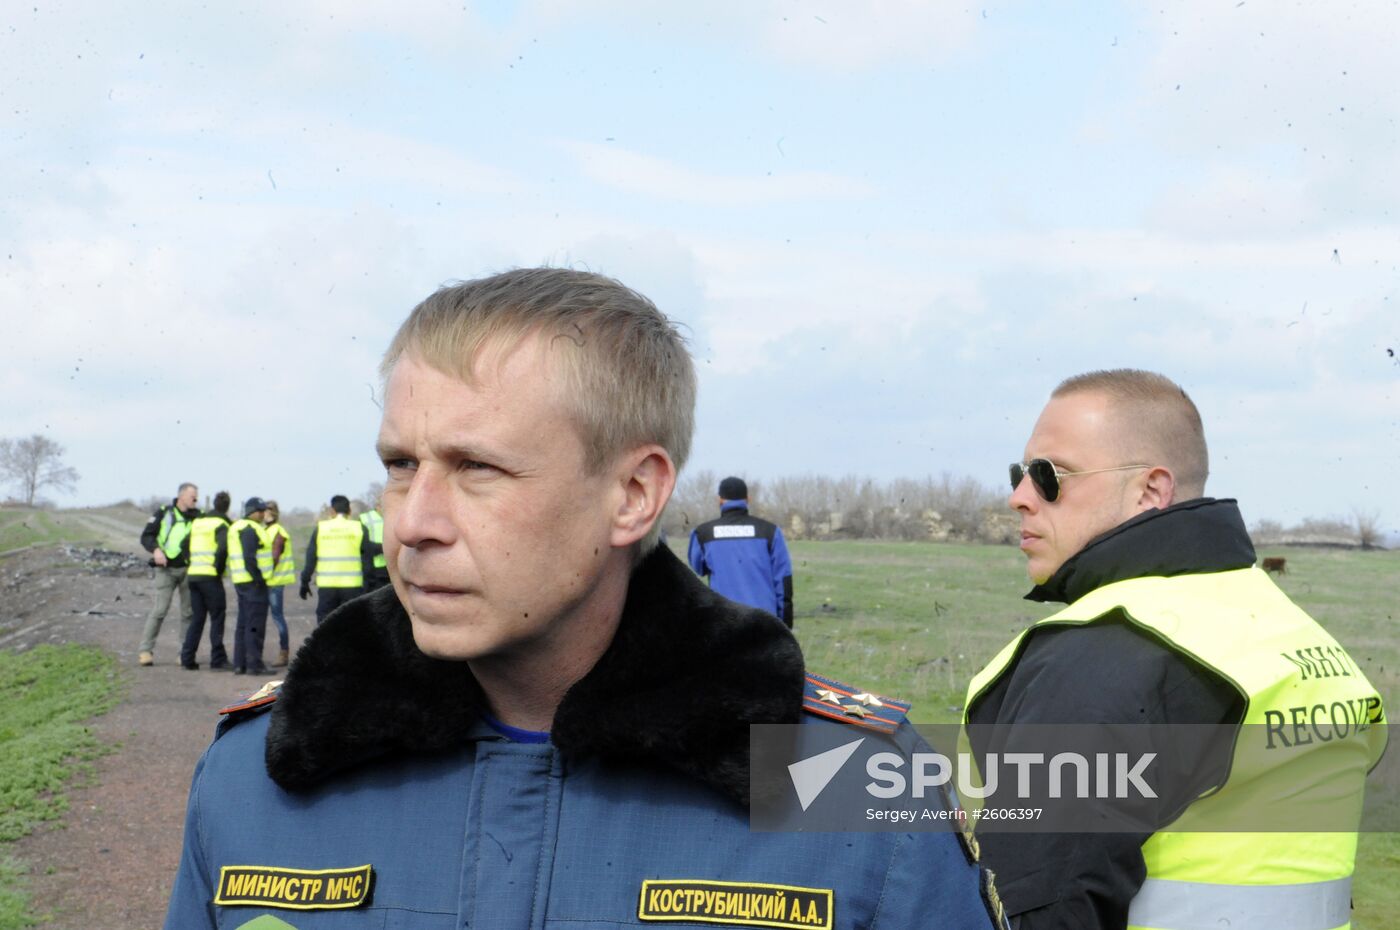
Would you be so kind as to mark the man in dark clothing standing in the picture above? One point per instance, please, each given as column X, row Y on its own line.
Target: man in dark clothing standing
column 745, row 558
column 1168, row 622
column 251, row 565
column 376, row 572
column 167, row 537
column 339, row 557
column 208, row 560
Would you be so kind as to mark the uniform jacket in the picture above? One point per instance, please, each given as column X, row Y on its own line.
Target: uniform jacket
column 1110, row 672
column 308, row 569
column 746, row 558
column 221, row 548
column 376, row 755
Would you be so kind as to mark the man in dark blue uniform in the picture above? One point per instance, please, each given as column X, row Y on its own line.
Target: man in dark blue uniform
column 545, row 719
column 745, row 557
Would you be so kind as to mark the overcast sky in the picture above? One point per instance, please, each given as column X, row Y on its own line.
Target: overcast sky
column 889, row 228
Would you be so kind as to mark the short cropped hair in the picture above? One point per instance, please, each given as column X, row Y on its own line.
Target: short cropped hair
column 272, row 509
column 184, row 484
column 340, row 504
column 1155, row 419
column 222, row 502
column 630, row 379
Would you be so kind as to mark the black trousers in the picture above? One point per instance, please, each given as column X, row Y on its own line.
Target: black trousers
column 207, row 598
column 252, row 627
column 328, row 599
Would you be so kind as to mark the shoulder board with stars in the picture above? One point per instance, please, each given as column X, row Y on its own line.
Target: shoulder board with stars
column 826, row 697
column 262, row 697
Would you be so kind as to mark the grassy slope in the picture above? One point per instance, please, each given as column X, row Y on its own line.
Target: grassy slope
column 918, row 620
column 103, row 526
column 23, row 527
column 46, row 695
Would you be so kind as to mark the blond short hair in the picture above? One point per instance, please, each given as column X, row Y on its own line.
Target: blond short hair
column 1156, row 420
column 630, row 379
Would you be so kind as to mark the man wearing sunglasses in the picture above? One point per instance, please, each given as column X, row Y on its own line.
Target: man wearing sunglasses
column 1168, row 622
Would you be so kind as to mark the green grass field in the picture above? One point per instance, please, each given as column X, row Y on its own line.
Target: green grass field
column 917, row 620
column 118, row 525
column 907, row 619
column 46, row 697
column 24, row 527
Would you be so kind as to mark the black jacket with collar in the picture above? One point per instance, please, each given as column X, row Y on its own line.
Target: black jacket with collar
column 150, row 533
column 1109, row 671
column 360, row 689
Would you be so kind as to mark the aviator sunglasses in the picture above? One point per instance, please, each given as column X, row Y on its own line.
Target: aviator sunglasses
column 1046, row 477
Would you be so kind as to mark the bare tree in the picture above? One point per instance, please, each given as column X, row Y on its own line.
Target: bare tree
column 34, row 464
column 1266, row 532
column 1368, row 527
column 692, row 503
column 369, row 499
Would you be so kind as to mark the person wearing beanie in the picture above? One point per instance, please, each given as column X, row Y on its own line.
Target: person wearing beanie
column 745, row 558
column 250, row 564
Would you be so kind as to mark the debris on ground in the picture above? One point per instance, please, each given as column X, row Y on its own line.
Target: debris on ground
column 107, row 562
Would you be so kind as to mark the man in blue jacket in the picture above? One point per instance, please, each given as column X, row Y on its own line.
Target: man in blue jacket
column 745, row 557
column 545, row 719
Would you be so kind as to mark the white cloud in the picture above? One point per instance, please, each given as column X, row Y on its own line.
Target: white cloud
column 1288, row 105
column 853, row 35
column 667, row 180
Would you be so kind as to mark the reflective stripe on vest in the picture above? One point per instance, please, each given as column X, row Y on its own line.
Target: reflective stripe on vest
column 236, row 566
column 285, row 571
column 174, row 527
column 204, row 546
column 1242, row 627
column 338, row 553
column 374, row 525
column 1210, row 906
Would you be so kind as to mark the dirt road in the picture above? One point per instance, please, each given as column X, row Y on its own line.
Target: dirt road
column 111, row 860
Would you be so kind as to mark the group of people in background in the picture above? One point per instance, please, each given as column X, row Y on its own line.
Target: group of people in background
column 193, row 551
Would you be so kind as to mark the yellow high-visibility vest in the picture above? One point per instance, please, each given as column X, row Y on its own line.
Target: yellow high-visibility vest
column 284, row 572
column 204, row 545
column 1317, row 727
column 174, row 527
column 237, row 567
column 338, row 553
column 374, row 525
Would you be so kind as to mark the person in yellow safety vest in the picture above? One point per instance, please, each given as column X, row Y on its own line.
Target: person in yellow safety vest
column 377, row 574
column 1169, row 622
column 167, row 537
column 208, row 561
column 338, row 558
column 284, row 572
column 250, row 564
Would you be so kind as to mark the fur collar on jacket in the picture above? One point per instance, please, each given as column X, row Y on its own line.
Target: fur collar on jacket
column 360, row 689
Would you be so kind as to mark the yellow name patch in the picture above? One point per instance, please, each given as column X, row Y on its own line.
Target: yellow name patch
column 298, row 889
column 736, row 904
